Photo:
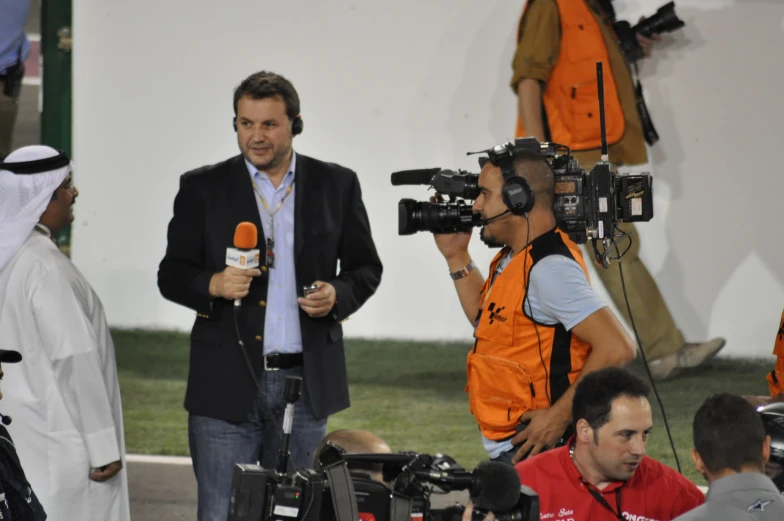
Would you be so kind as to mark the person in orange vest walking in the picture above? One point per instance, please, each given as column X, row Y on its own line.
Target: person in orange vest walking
column 559, row 43
column 775, row 378
column 539, row 326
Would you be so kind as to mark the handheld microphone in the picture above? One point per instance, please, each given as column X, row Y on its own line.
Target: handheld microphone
column 244, row 255
column 6, row 419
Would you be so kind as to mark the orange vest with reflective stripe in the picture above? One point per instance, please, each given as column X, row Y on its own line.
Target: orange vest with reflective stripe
column 571, row 99
column 509, row 372
column 776, row 377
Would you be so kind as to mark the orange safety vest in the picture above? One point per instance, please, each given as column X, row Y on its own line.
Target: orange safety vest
column 571, row 100
column 776, row 377
column 509, row 372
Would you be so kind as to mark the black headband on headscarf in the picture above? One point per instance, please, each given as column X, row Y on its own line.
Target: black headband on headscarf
column 39, row 165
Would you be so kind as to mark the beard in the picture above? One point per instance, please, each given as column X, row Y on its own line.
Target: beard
column 488, row 239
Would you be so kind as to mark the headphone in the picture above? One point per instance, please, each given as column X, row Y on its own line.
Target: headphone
column 516, row 192
column 296, row 126
column 39, row 165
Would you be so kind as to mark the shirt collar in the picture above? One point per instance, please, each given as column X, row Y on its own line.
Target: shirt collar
column 574, row 473
column 287, row 179
column 741, row 481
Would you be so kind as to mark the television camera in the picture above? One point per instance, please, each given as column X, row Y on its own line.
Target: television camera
column 587, row 204
column 333, row 493
column 260, row 494
column 414, row 477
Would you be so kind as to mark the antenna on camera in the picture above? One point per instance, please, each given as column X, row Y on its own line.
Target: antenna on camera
column 600, row 81
column 291, row 394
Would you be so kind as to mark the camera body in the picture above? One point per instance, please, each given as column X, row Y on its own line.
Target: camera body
column 665, row 20
column 493, row 486
column 260, row 494
column 586, row 204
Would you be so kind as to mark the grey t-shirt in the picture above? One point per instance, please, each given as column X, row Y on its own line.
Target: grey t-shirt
column 740, row 497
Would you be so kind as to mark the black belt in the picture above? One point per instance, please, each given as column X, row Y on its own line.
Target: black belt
column 277, row 361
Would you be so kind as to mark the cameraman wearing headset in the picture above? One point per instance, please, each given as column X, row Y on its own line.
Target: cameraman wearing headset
column 539, row 327
column 558, row 45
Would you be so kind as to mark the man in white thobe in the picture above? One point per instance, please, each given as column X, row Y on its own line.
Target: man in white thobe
column 65, row 397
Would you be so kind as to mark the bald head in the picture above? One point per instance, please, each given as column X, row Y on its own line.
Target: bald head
column 355, row 441
column 534, row 167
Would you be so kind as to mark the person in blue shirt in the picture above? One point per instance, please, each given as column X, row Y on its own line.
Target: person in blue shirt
column 14, row 48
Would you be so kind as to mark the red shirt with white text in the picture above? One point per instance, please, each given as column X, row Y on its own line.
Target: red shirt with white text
column 654, row 493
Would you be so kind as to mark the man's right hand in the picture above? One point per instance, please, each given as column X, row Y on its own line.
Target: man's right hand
column 232, row 283
column 106, row 472
column 451, row 245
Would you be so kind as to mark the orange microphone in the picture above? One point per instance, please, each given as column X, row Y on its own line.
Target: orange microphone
column 244, row 255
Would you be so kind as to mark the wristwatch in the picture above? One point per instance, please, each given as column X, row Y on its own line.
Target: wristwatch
column 463, row 272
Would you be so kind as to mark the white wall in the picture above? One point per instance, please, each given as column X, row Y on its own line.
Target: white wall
column 395, row 85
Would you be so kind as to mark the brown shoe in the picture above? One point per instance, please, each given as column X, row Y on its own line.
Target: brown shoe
column 687, row 357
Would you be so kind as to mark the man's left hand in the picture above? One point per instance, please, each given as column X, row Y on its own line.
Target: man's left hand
column 319, row 303
column 544, row 428
column 469, row 511
column 647, row 43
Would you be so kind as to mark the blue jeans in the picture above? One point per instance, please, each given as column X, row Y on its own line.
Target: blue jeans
column 506, row 457
column 217, row 445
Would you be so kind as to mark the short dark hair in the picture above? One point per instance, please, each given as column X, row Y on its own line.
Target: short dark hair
column 595, row 393
column 535, row 168
column 265, row 84
column 728, row 433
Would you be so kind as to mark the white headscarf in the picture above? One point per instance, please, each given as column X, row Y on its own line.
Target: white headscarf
column 24, row 197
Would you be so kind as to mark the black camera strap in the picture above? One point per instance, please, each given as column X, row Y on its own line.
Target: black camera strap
column 648, row 130
column 399, row 508
column 596, row 494
column 344, row 499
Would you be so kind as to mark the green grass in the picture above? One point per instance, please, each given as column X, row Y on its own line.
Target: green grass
column 411, row 394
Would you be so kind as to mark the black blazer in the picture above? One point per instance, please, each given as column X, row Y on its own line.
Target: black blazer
column 330, row 225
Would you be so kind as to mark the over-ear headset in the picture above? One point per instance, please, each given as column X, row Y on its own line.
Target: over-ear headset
column 296, row 126
column 516, row 192
column 39, row 165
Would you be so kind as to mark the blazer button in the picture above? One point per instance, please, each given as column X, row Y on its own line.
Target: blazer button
column 262, row 303
column 264, row 269
column 258, row 338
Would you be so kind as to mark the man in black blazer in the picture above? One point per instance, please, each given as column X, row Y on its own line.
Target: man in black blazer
column 310, row 216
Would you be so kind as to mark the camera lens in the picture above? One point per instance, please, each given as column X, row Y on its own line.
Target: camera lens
column 664, row 21
column 449, row 217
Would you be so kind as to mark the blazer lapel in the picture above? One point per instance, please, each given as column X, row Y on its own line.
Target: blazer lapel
column 301, row 216
column 243, row 199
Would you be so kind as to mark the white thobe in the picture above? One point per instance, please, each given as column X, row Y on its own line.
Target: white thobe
column 64, row 396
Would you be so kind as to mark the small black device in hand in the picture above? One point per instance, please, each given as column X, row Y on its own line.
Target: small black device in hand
column 12, row 80
column 307, row 290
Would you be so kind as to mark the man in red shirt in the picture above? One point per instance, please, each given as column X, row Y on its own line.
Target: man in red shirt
column 603, row 474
